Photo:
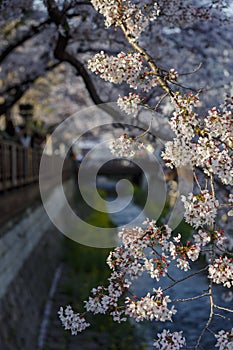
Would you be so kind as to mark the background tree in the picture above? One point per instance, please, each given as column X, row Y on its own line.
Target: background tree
column 59, row 36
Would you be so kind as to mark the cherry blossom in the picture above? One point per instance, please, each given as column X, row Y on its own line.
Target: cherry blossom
column 184, row 120
column 201, row 209
column 129, row 68
column 126, row 13
column 116, row 69
column 202, row 142
column 183, row 264
column 130, row 103
column 219, row 123
column 215, row 158
column 221, row 271
column 182, row 253
column 172, row 74
column 109, row 9
column 169, row 341
column 202, row 238
column 224, row 340
column 177, row 153
column 150, row 308
column 126, row 146
column 71, row 321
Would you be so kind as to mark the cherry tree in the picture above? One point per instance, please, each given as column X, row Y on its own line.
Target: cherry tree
column 176, row 59
column 202, row 140
column 31, row 45
column 41, row 36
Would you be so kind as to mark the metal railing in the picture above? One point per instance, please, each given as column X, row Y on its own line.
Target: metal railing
column 19, row 166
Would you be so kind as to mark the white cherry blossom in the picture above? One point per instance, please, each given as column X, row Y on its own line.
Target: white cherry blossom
column 71, row 321
column 129, row 104
column 169, row 341
column 126, row 13
column 177, row 153
column 224, row 340
column 150, row 308
column 221, row 271
column 117, row 69
column 126, row 146
column 201, row 209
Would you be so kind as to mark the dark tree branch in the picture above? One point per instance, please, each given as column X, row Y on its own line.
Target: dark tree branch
column 20, row 89
column 32, row 31
column 61, row 54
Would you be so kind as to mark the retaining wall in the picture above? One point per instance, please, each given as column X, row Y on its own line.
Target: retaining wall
column 29, row 253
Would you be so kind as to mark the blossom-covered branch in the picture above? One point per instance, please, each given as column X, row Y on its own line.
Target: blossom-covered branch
column 203, row 142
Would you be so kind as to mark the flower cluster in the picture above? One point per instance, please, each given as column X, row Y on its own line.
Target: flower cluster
column 169, row 341
column 201, row 142
column 71, row 321
column 142, row 237
column 224, row 340
column 184, row 120
column 126, row 146
column 221, row 271
column 177, row 153
column 205, row 142
column 150, row 308
column 129, row 104
column 200, row 209
column 172, row 75
column 202, row 238
column 130, row 260
column 105, row 299
column 134, row 21
column 220, row 125
column 116, row 69
column 110, row 9
column 214, row 157
column 131, row 257
column 124, row 67
column 182, row 253
column 125, row 13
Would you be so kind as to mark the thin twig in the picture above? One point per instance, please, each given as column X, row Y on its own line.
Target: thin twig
column 186, row 277
column 219, row 315
column 186, row 87
column 196, row 179
column 194, row 71
column 191, row 298
column 212, row 184
column 145, row 132
column 224, row 251
column 210, row 316
column 223, row 308
column 209, row 330
column 160, row 101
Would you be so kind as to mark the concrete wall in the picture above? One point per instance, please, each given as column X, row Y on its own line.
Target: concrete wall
column 29, row 253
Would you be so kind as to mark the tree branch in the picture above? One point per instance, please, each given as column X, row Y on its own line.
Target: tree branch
column 32, row 31
column 21, row 88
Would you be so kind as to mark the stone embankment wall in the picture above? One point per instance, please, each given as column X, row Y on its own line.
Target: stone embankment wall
column 29, row 253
